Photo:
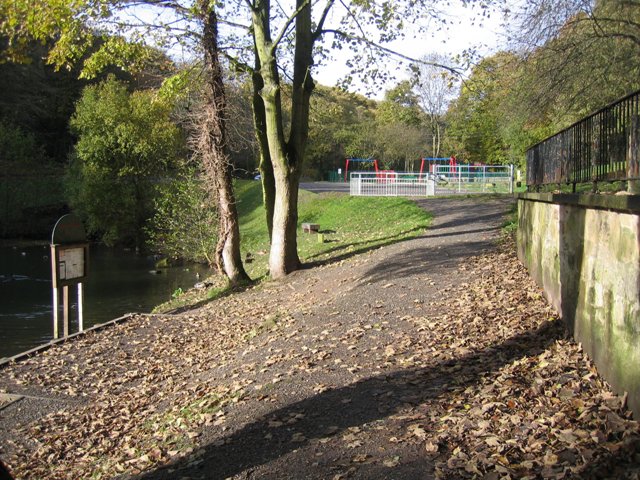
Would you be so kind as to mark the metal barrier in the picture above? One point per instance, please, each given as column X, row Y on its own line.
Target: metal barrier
column 600, row 147
column 445, row 180
column 468, row 179
column 390, row 184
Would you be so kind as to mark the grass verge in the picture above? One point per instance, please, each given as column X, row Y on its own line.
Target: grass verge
column 348, row 225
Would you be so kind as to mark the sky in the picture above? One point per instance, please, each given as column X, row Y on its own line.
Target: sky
column 465, row 30
column 486, row 36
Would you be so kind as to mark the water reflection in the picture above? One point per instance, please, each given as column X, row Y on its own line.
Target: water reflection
column 119, row 282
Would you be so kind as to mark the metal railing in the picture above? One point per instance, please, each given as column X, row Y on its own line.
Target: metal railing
column 467, row 179
column 390, row 184
column 444, row 180
column 600, row 147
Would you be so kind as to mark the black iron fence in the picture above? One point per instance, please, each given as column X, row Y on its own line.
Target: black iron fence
column 600, row 147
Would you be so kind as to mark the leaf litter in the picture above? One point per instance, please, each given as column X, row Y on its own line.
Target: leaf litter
column 490, row 386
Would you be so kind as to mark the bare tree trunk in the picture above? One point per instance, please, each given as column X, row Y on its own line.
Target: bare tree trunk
column 212, row 147
column 433, row 140
column 266, row 166
column 286, row 156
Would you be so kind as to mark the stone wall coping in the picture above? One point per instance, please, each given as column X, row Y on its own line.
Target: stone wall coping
column 619, row 202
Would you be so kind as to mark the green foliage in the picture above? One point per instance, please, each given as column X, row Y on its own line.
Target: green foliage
column 178, row 292
column 19, row 150
column 178, row 87
column 39, row 101
column 185, row 223
column 126, row 144
column 128, row 134
column 30, row 186
column 474, row 117
column 109, row 205
column 66, row 24
column 116, row 51
column 30, row 204
column 584, row 63
column 401, row 130
column 346, row 125
column 401, row 106
column 339, row 122
column 574, row 58
column 400, row 146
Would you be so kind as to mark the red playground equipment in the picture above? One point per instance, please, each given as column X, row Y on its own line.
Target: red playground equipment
column 358, row 160
column 432, row 162
column 427, row 165
column 373, row 161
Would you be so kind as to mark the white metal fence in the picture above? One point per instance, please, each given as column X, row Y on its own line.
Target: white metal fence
column 391, row 184
column 444, row 180
column 474, row 179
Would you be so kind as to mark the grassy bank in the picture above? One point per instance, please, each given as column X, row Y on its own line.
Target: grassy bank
column 348, row 225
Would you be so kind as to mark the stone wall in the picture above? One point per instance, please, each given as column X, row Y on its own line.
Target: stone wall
column 584, row 251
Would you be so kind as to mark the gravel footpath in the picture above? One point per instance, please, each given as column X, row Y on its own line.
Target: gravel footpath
column 431, row 358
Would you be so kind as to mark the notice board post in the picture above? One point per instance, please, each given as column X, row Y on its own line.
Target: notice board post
column 69, row 266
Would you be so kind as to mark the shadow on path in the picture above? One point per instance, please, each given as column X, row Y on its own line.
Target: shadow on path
column 367, row 247
column 365, row 401
column 456, row 234
column 425, row 261
column 470, row 217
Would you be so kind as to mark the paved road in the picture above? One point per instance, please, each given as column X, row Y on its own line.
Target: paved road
column 319, row 187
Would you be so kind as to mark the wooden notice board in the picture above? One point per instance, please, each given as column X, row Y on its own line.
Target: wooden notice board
column 69, row 264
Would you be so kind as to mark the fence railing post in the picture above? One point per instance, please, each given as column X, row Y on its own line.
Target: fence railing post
column 633, row 162
column 511, row 178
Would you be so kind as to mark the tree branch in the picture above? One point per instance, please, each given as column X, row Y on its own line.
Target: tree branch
column 158, row 3
column 237, row 64
column 323, row 18
column 390, row 51
column 234, row 24
column 287, row 24
column 354, row 18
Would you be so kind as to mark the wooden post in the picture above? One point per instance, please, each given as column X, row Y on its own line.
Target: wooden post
column 56, row 307
column 633, row 162
column 80, row 308
column 65, row 310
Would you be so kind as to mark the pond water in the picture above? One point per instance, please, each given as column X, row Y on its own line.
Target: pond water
column 119, row 282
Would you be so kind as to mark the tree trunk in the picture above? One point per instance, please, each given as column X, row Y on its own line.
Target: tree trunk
column 228, row 255
column 283, row 256
column 212, row 147
column 286, row 156
column 266, row 167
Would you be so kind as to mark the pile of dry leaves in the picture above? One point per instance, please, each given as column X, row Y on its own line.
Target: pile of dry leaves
column 492, row 386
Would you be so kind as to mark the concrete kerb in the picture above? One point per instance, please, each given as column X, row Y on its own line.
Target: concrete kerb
column 41, row 348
